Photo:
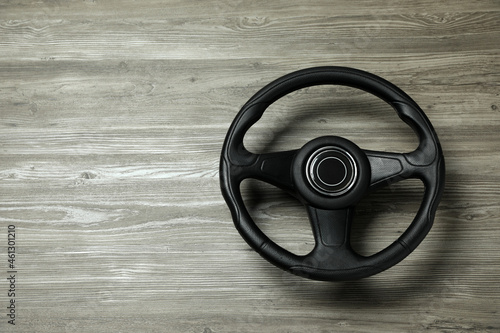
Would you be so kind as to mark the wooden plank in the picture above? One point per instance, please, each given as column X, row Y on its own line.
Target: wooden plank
column 112, row 117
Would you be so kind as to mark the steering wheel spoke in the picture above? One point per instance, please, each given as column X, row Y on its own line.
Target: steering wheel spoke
column 273, row 168
column 331, row 227
column 387, row 168
column 331, row 230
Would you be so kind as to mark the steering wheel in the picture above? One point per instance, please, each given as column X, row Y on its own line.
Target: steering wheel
column 329, row 175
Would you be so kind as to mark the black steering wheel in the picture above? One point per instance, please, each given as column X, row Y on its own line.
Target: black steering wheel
column 329, row 175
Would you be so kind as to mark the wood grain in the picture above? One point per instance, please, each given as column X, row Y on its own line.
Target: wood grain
column 112, row 117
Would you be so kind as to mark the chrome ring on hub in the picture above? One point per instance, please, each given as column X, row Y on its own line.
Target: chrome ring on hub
column 331, row 171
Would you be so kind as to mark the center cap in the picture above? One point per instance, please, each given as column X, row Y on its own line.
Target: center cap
column 331, row 171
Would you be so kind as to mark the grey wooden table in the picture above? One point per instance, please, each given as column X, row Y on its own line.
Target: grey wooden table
column 112, row 117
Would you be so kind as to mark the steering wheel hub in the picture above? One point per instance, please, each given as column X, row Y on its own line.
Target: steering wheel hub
column 331, row 171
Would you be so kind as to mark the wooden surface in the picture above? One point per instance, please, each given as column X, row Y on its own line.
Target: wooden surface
column 113, row 114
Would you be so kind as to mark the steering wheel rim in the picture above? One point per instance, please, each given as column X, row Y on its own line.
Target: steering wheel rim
column 330, row 213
